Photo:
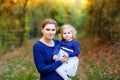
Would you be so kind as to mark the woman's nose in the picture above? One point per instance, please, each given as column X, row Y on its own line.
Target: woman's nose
column 51, row 31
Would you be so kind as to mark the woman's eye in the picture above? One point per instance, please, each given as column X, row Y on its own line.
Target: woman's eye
column 53, row 29
column 48, row 29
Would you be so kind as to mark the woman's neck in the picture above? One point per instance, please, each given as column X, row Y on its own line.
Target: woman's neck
column 48, row 42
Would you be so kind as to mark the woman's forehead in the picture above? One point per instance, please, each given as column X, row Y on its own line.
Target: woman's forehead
column 50, row 26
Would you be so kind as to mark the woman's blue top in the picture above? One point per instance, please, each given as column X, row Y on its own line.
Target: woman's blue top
column 43, row 58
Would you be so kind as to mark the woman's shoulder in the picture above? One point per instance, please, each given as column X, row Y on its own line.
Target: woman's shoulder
column 37, row 43
column 56, row 41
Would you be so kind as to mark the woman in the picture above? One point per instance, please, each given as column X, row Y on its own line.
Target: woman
column 43, row 52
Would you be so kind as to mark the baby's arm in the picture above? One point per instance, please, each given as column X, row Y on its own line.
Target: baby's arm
column 76, row 50
column 55, row 52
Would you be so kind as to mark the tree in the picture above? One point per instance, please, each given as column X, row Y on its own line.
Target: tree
column 104, row 14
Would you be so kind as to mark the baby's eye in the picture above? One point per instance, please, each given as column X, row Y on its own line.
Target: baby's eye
column 68, row 32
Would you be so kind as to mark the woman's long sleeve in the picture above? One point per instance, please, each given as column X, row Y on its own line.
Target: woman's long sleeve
column 41, row 61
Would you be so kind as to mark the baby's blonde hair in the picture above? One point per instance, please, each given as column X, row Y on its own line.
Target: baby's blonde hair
column 71, row 28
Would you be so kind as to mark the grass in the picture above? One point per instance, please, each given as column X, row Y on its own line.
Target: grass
column 96, row 63
column 18, row 64
column 101, row 70
column 3, row 49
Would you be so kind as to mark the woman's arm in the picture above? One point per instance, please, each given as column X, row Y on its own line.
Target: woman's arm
column 40, row 63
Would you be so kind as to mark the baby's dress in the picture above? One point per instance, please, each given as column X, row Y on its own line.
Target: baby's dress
column 70, row 67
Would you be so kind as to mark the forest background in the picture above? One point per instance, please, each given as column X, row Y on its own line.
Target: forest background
column 97, row 23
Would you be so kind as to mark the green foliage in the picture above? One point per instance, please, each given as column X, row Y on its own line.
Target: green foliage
column 20, row 20
column 104, row 20
column 61, row 14
column 13, row 29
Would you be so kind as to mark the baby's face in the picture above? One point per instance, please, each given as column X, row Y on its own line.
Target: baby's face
column 67, row 34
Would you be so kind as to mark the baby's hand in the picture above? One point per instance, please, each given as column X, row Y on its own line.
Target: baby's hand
column 66, row 55
column 65, row 58
column 55, row 57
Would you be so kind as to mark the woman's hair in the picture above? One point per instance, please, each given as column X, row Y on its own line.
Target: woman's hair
column 71, row 28
column 48, row 21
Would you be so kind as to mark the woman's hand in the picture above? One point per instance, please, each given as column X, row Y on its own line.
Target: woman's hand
column 55, row 57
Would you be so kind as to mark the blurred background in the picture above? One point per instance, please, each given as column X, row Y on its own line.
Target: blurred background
column 98, row 31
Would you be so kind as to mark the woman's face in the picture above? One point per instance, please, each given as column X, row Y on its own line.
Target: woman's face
column 49, row 31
